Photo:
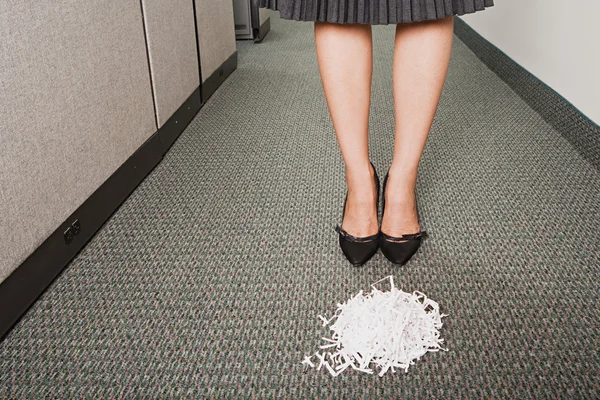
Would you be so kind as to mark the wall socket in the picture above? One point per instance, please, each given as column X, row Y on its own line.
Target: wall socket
column 72, row 231
column 76, row 227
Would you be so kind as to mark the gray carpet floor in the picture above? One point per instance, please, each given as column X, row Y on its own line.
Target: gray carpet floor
column 208, row 280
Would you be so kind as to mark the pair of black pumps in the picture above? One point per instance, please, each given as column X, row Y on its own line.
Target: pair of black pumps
column 397, row 249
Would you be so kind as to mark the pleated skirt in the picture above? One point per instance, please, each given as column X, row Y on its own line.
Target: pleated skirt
column 373, row 12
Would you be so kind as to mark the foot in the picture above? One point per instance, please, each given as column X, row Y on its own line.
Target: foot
column 400, row 214
column 360, row 215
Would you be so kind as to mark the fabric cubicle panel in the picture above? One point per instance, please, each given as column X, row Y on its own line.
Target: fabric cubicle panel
column 76, row 103
column 216, row 34
column 263, row 15
column 171, row 37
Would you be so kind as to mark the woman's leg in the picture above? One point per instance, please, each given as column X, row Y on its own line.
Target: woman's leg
column 344, row 54
column 421, row 56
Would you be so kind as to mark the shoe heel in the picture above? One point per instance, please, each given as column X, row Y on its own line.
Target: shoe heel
column 358, row 250
column 398, row 249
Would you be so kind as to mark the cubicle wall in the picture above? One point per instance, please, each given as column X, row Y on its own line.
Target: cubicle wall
column 76, row 102
column 171, row 34
column 263, row 15
column 216, row 42
column 91, row 97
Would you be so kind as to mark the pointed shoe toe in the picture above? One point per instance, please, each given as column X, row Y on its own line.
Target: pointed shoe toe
column 358, row 250
column 400, row 249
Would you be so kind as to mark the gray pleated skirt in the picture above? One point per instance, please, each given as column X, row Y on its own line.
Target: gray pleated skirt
column 373, row 12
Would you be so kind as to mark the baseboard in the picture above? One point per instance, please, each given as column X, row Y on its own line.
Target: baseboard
column 212, row 83
column 578, row 129
column 25, row 284
column 175, row 125
column 261, row 32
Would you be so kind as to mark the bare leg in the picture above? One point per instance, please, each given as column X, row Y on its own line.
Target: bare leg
column 344, row 54
column 421, row 57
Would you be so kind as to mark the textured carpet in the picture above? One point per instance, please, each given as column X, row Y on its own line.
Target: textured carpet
column 208, row 280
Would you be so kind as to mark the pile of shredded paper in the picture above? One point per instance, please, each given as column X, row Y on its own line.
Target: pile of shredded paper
column 379, row 331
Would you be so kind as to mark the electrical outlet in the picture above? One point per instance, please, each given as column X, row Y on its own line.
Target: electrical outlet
column 68, row 235
column 76, row 227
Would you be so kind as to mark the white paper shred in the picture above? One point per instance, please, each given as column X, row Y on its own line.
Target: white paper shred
column 379, row 331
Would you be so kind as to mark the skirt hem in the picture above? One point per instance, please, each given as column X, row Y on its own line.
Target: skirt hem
column 307, row 11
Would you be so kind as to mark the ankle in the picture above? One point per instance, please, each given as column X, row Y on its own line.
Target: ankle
column 360, row 178
column 402, row 179
column 400, row 189
column 359, row 172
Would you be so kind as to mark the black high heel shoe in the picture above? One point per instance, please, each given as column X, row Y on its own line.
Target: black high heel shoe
column 398, row 249
column 359, row 250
